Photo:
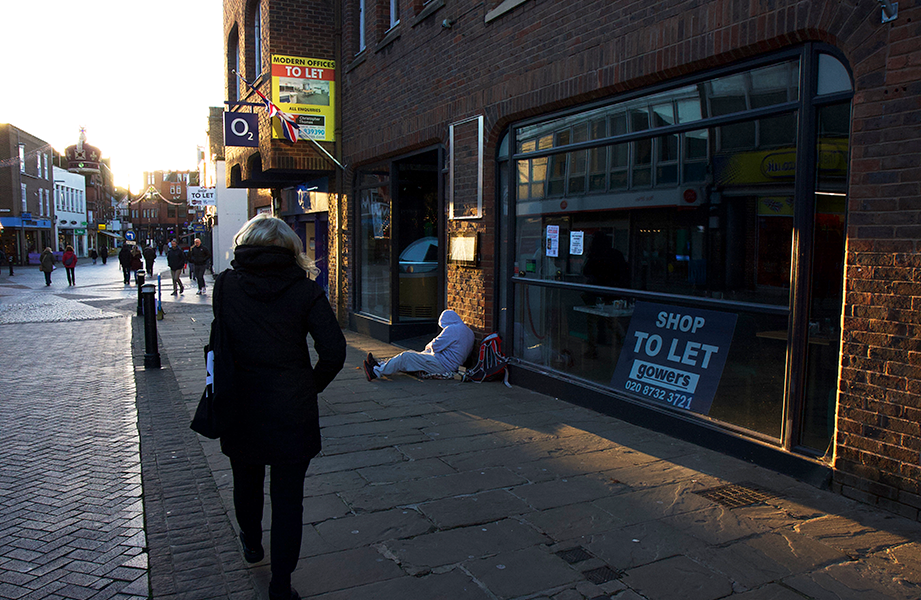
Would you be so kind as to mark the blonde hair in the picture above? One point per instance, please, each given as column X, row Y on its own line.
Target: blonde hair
column 263, row 230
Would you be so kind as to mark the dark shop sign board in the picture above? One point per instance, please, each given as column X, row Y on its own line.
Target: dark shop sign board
column 674, row 355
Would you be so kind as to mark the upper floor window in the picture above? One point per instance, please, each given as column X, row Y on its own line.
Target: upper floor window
column 22, row 158
column 362, row 13
column 394, row 13
column 233, row 63
column 257, row 40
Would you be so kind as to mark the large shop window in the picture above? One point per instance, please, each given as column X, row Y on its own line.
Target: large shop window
column 374, row 255
column 652, row 243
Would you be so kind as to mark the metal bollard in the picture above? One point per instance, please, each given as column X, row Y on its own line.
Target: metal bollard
column 151, row 353
column 142, row 274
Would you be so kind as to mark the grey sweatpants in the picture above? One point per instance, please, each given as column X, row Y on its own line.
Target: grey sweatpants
column 410, row 362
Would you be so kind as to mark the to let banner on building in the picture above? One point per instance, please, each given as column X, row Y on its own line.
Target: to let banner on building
column 674, row 355
column 305, row 88
column 199, row 196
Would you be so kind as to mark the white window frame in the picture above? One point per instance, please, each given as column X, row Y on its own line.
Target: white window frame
column 22, row 158
column 25, row 197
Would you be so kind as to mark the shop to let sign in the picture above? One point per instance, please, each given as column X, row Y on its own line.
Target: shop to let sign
column 674, row 355
column 305, row 88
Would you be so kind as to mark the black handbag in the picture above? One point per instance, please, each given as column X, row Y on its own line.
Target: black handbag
column 206, row 421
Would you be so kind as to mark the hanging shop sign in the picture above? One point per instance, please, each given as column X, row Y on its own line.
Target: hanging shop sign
column 241, row 129
column 305, row 88
column 674, row 355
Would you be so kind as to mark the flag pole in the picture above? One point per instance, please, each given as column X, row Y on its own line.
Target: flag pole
column 309, row 137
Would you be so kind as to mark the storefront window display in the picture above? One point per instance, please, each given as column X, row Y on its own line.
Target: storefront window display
column 653, row 239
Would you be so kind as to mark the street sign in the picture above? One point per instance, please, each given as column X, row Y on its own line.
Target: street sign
column 129, row 236
column 80, row 231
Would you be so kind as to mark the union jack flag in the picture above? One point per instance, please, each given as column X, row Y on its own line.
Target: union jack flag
column 289, row 124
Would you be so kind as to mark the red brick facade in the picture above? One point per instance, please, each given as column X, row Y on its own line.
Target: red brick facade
column 448, row 61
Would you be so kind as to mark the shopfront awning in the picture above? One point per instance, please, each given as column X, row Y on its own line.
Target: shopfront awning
column 110, row 234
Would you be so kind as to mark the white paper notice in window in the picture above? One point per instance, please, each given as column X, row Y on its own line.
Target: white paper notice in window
column 576, row 239
column 553, row 240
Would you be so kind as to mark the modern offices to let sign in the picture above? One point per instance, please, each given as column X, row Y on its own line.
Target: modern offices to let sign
column 305, row 88
column 674, row 355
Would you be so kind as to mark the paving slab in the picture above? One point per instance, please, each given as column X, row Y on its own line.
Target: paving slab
column 677, row 577
column 462, row 545
column 523, row 572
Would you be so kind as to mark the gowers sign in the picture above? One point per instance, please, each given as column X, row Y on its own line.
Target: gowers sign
column 674, row 355
column 199, row 196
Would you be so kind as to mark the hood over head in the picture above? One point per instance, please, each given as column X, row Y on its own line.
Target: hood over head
column 265, row 272
column 449, row 317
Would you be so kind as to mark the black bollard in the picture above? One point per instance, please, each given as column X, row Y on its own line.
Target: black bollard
column 151, row 354
column 140, row 282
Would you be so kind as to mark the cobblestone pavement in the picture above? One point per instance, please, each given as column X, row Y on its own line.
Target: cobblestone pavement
column 71, row 518
column 441, row 490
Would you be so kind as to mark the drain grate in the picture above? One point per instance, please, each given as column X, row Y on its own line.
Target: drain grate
column 574, row 555
column 736, row 495
column 600, row 575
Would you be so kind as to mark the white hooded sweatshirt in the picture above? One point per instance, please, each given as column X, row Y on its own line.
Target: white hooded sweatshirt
column 454, row 343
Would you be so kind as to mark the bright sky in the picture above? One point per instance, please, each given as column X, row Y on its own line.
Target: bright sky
column 138, row 76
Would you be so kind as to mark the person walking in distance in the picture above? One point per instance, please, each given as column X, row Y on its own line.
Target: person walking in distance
column 8, row 258
column 267, row 307
column 70, row 265
column 175, row 259
column 199, row 257
column 94, row 255
column 104, row 254
column 124, row 259
column 150, row 255
column 137, row 262
column 46, row 260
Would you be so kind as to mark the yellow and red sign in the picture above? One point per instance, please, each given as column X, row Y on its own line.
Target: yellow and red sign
column 305, row 88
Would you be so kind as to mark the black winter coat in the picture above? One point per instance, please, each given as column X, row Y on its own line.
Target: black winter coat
column 175, row 258
column 268, row 307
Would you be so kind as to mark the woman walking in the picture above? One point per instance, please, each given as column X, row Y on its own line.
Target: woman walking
column 46, row 260
column 268, row 306
column 70, row 264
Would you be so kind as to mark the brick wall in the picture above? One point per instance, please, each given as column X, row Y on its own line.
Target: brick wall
column 542, row 56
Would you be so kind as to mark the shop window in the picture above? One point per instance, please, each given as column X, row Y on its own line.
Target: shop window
column 701, row 218
column 374, row 208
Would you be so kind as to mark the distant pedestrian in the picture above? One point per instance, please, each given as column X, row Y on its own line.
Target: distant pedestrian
column 150, row 255
column 175, row 260
column 137, row 262
column 70, row 265
column 104, row 253
column 199, row 257
column 8, row 258
column 267, row 307
column 46, row 260
column 124, row 259
column 94, row 255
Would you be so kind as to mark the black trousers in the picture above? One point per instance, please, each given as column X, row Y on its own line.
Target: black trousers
column 286, row 488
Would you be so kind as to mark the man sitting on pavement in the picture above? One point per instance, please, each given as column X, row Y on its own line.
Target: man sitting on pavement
column 442, row 356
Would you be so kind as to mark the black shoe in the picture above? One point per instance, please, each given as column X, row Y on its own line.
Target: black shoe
column 372, row 360
column 290, row 595
column 252, row 555
column 369, row 370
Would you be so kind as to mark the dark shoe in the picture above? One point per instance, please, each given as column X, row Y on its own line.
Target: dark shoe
column 372, row 360
column 252, row 555
column 291, row 595
column 369, row 370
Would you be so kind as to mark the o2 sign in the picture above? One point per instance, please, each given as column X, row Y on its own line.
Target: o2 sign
column 241, row 129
